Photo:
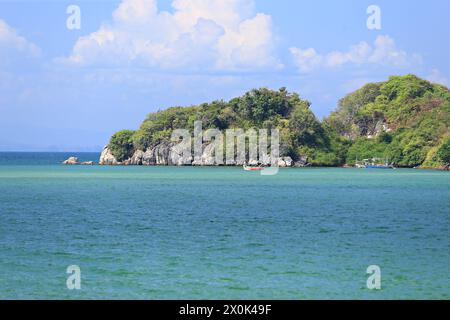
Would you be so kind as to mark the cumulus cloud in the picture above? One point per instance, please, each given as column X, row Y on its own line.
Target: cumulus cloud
column 437, row 77
column 383, row 52
column 12, row 44
column 199, row 35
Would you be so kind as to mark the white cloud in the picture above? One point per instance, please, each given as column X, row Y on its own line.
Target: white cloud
column 12, row 44
column 437, row 77
column 383, row 52
column 198, row 35
column 306, row 60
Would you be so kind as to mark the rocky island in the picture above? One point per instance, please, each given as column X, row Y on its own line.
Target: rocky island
column 75, row 161
column 405, row 119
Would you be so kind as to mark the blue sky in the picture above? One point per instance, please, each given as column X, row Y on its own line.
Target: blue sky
column 69, row 90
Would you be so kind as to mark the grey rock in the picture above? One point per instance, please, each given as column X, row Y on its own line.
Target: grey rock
column 107, row 158
column 302, row 162
column 288, row 161
column 148, row 158
column 208, row 158
column 177, row 157
column 284, row 162
column 137, row 157
column 265, row 160
column 71, row 160
column 253, row 162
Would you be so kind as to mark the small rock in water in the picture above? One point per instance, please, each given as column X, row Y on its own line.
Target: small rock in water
column 71, row 160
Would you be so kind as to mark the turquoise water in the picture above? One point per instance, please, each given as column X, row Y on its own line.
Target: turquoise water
column 220, row 233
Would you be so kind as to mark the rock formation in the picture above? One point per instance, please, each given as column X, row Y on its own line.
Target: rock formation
column 71, row 160
column 75, row 160
column 107, row 158
column 168, row 154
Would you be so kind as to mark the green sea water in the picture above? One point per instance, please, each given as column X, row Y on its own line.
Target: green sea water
column 220, row 233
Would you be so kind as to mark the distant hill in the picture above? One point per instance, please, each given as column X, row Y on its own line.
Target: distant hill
column 405, row 119
column 300, row 132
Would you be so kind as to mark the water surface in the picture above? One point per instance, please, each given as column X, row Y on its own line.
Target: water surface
column 220, row 233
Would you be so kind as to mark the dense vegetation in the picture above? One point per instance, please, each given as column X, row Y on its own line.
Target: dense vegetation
column 404, row 119
column 121, row 144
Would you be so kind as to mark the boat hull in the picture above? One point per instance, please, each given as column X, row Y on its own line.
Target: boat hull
column 253, row 168
column 379, row 167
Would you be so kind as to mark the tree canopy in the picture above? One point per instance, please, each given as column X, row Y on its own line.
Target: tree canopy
column 405, row 119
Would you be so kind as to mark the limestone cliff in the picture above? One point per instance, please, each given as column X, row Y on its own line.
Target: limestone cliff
column 167, row 154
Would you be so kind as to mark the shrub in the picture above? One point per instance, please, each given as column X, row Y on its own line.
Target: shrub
column 443, row 152
column 121, row 144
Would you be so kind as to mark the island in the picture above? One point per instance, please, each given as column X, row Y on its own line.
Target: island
column 404, row 120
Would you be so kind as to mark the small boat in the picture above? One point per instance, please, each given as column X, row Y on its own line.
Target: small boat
column 380, row 166
column 246, row 168
column 374, row 163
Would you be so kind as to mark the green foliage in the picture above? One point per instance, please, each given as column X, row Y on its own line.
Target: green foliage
column 263, row 104
column 121, row 144
column 384, row 137
column 349, row 107
column 405, row 87
column 258, row 108
column 415, row 111
column 443, row 153
column 365, row 149
column 320, row 157
column 306, row 129
column 404, row 119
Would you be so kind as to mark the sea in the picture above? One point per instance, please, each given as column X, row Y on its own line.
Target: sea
column 139, row 232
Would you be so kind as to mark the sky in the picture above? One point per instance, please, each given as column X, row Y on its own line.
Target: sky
column 69, row 81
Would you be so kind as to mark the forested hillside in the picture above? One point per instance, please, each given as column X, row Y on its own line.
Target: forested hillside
column 405, row 120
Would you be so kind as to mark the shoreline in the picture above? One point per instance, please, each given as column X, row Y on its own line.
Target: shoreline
column 96, row 163
column 237, row 166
